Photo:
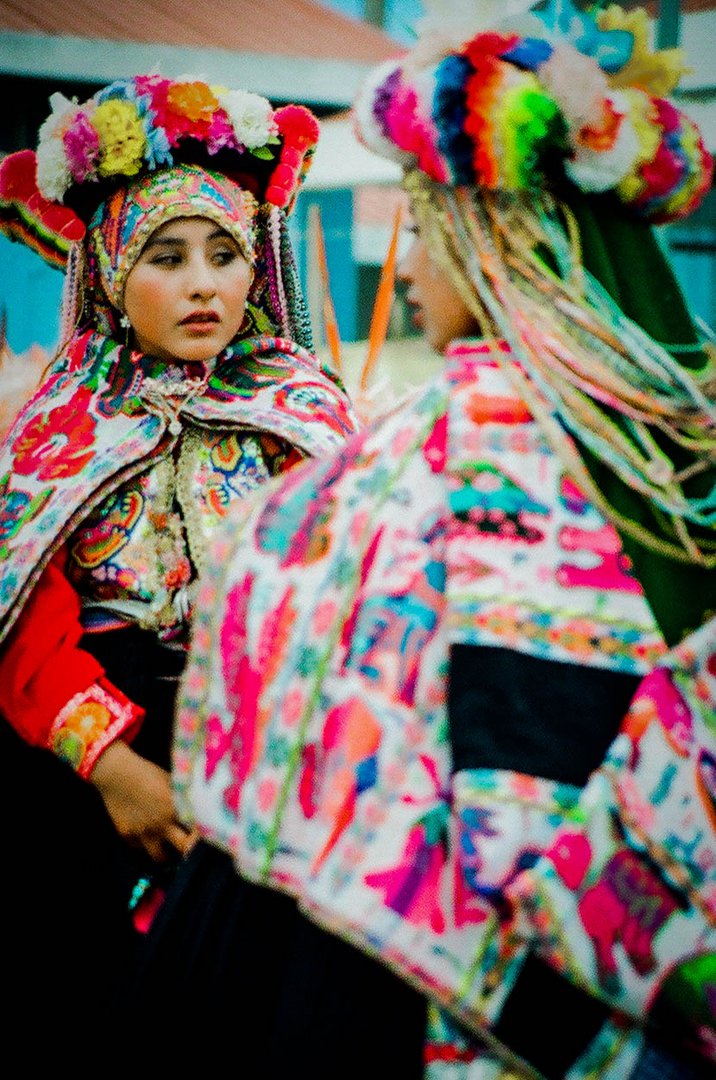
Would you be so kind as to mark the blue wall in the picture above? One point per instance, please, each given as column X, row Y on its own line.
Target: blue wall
column 30, row 294
column 336, row 208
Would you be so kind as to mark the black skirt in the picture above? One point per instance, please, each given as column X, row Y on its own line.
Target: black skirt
column 67, row 931
column 262, row 987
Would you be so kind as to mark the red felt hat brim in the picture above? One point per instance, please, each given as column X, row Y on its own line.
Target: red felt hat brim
column 27, row 216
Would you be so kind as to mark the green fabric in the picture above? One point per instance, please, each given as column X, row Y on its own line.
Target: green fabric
column 623, row 254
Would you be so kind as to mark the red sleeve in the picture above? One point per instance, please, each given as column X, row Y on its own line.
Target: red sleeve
column 293, row 457
column 52, row 692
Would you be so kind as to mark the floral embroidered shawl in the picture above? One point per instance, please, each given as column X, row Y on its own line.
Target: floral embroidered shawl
column 95, row 421
column 313, row 731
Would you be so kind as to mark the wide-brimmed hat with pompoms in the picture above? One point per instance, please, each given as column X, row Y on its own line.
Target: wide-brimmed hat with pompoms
column 137, row 126
column 505, row 99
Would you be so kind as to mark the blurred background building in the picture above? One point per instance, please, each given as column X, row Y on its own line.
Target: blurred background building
column 288, row 50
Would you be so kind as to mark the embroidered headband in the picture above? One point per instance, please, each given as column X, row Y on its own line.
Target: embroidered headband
column 540, row 101
column 125, row 221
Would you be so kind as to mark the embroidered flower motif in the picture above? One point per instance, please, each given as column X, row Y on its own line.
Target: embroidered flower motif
column 16, row 508
column 301, row 401
column 412, row 888
column 79, row 730
column 57, row 443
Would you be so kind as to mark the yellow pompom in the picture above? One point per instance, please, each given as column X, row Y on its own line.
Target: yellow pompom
column 121, row 138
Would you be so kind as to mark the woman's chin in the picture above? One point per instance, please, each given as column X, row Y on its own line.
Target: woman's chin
column 199, row 352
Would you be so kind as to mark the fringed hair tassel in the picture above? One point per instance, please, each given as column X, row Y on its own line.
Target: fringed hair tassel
column 73, row 292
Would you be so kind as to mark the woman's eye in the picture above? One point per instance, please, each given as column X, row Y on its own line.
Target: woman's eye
column 166, row 259
column 224, row 256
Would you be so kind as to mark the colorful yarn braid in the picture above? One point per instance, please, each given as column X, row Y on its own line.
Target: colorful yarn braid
column 590, row 375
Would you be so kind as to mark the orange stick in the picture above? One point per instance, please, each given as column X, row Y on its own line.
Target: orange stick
column 382, row 307
column 330, row 322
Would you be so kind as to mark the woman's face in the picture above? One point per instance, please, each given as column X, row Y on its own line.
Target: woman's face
column 186, row 294
column 437, row 307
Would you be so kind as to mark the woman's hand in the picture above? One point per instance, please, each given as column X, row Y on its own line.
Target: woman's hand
column 138, row 798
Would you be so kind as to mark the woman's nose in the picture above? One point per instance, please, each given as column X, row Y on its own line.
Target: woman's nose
column 202, row 281
column 404, row 270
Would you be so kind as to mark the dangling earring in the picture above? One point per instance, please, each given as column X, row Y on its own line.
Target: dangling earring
column 126, row 326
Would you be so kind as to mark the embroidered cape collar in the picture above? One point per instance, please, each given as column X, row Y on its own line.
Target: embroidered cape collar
column 105, row 412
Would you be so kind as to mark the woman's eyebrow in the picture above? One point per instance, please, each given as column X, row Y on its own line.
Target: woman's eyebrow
column 165, row 241
column 178, row 241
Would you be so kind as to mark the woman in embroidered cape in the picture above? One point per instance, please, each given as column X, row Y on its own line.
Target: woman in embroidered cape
column 452, row 690
column 183, row 382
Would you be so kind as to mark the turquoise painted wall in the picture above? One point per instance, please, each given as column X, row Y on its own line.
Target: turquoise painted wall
column 30, row 294
column 336, row 209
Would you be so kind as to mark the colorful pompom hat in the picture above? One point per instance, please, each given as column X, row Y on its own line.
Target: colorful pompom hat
column 499, row 97
column 140, row 125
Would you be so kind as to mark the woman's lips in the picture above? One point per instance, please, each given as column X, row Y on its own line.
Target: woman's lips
column 201, row 322
column 416, row 316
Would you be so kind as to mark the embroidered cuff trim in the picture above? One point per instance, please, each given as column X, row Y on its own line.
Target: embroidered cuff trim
column 89, row 721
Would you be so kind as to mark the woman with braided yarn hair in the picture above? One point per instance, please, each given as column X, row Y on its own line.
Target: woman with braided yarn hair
column 451, row 692
column 182, row 383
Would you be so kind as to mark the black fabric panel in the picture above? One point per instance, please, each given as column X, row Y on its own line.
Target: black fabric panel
column 234, row 957
column 508, row 710
column 547, row 1020
column 147, row 671
column 67, row 879
column 69, row 876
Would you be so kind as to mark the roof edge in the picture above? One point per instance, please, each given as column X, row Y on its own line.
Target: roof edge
column 330, row 83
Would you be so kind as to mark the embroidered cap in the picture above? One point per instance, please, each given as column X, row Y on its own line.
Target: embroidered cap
column 125, row 221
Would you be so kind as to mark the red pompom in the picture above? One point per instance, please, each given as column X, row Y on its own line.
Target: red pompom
column 291, row 156
column 277, row 196
column 284, row 176
column 26, row 215
column 297, row 126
